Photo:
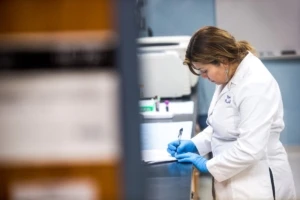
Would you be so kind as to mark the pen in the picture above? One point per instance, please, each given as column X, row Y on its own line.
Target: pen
column 179, row 137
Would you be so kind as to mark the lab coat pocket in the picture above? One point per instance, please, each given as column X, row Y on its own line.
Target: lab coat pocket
column 253, row 183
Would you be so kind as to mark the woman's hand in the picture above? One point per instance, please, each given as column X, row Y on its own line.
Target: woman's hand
column 178, row 147
column 196, row 159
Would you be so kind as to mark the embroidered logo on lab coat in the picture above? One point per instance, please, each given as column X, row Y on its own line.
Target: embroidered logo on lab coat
column 228, row 99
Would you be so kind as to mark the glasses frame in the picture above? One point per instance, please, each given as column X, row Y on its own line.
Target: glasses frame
column 200, row 73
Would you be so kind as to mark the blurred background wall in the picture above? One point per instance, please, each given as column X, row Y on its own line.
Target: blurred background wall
column 176, row 17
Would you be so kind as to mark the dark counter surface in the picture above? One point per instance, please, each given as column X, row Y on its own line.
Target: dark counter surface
column 168, row 181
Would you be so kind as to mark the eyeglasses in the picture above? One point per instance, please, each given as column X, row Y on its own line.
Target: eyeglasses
column 199, row 71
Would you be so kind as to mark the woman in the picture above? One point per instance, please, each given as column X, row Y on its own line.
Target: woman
column 245, row 119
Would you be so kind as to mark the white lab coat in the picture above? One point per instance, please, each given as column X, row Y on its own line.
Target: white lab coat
column 245, row 120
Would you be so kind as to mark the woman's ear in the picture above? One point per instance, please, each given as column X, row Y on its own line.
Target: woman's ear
column 224, row 62
column 224, row 65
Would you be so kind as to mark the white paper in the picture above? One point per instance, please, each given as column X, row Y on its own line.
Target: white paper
column 156, row 137
column 156, row 156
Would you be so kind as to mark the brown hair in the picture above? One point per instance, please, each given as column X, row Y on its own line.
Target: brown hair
column 212, row 45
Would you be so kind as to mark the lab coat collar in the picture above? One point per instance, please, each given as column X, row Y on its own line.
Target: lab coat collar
column 239, row 74
column 237, row 77
column 240, row 71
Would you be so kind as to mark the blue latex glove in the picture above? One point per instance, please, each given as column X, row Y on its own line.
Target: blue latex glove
column 196, row 159
column 184, row 147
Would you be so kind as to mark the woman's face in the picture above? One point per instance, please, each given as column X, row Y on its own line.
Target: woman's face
column 214, row 73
